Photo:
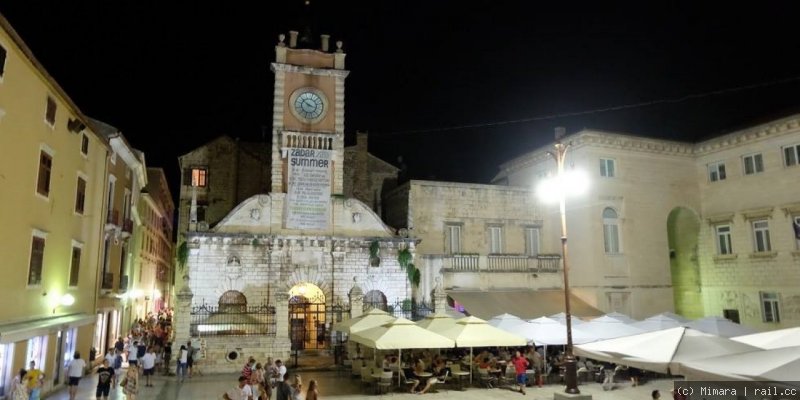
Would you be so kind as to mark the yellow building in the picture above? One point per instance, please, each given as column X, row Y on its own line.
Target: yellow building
column 53, row 176
column 126, row 177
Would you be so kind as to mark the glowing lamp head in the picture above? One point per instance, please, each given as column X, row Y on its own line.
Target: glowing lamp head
column 570, row 183
column 67, row 300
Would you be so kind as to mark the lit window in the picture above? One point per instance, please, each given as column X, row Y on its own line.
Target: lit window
column 753, row 164
column 495, row 239
column 607, row 168
column 761, row 236
column 770, row 307
column 791, row 155
column 611, row 231
column 452, row 238
column 716, row 172
column 199, row 177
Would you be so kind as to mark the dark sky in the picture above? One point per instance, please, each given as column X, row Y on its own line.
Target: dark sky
column 174, row 74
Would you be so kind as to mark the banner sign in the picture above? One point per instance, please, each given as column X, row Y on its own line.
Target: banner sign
column 308, row 200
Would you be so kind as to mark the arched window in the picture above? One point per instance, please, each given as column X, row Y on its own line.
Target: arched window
column 374, row 299
column 232, row 301
column 611, row 231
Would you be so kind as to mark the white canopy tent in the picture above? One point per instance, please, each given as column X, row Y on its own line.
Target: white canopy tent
column 789, row 337
column 549, row 332
column 436, row 322
column 620, row 317
column 608, row 328
column 370, row 319
column 662, row 351
column 659, row 322
column 720, row 326
column 779, row 365
column 505, row 322
column 562, row 318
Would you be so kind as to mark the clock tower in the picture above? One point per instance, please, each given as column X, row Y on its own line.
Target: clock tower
column 307, row 127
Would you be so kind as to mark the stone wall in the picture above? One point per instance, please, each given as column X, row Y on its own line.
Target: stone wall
column 216, row 355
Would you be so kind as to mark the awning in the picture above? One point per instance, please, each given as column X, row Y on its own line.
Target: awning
column 527, row 304
column 23, row 330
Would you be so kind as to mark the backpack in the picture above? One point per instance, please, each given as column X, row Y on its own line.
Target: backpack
column 140, row 350
column 118, row 362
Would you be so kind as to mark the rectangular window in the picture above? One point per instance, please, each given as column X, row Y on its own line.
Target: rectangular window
column 75, row 266
column 50, row 111
column 607, row 168
column 796, row 230
column 452, row 238
column 532, row 241
column 731, row 315
column 611, row 238
column 770, row 307
column 761, row 236
column 495, row 239
column 126, row 206
column 45, row 170
column 791, row 155
column 37, row 261
column 199, row 177
column 716, row 172
column 2, row 72
column 80, row 196
column 84, row 144
column 112, row 183
column 753, row 164
column 724, row 239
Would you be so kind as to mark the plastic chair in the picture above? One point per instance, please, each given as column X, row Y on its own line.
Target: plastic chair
column 385, row 382
column 406, row 381
column 486, row 380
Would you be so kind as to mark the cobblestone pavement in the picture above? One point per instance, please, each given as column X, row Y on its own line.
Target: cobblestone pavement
column 334, row 386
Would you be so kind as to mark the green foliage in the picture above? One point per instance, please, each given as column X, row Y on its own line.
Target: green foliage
column 410, row 272
column 254, row 242
column 183, row 255
column 408, row 305
column 417, row 277
column 404, row 258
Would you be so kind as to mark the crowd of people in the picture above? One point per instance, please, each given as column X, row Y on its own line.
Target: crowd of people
column 270, row 380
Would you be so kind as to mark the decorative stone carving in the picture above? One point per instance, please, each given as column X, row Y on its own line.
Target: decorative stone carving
column 255, row 214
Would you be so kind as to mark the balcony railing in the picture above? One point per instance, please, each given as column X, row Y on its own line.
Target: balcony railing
column 127, row 226
column 501, row 263
column 112, row 218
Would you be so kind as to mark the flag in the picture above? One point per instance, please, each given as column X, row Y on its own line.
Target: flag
column 796, row 225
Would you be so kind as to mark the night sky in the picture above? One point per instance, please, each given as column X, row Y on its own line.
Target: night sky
column 172, row 77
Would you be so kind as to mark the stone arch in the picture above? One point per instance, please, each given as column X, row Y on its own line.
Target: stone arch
column 375, row 299
column 232, row 301
column 309, row 275
column 683, row 234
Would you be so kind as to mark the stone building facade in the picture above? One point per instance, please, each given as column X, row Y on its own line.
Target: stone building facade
column 283, row 266
column 706, row 228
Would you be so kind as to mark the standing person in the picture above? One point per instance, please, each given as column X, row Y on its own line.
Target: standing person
column 149, row 365
column 247, row 370
column 109, row 356
column 19, row 389
column 75, row 373
column 133, row 354
column 281, row 371
column 312, row 393
column 189, row 357
column 33, row 378
column 296, row 388
column 242, row 391
column 130, row 383
column 521, row 367
column 119, row 345
column 167, row 357
column 105, row 376
column 183, row 357
column 257, row 379
column 117, row 366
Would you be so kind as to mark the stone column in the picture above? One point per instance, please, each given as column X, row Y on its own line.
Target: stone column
column 182, row 319
column 282, row 315
column 356, row 296
column 439, row 297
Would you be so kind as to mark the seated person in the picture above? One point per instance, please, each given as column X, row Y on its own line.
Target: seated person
column 419, row 367
column 394, row 363
column 386, row 362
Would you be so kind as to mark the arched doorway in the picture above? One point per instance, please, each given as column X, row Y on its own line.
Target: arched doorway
column 307, row 322
column 683, row 230
column 375, row 299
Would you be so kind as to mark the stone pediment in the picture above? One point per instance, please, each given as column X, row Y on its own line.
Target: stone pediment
column 263, row 214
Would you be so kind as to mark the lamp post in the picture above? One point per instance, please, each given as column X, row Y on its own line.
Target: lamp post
column 559, row 187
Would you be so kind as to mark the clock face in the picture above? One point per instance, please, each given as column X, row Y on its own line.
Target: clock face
column 309, row 106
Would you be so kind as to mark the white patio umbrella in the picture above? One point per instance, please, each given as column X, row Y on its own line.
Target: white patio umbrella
column 779, row 365
column 608, row 328
column 662, row 351
column 436, row 322
column 562, row 318
column 475, row 332
column 370, row 319
column 401, row 334
column 659, row 322
column 620, row 317
column 772, row 339
column 505, row 322
column 546, row 331
column 720, row 326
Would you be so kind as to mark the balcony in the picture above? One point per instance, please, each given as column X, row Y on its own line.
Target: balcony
column 127, row 228
column 112, row 219
column 108, row 281
column 542, row 263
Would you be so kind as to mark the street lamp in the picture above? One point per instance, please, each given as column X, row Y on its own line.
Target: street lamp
column 557, row 188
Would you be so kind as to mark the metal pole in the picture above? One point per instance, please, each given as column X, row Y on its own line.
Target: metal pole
column 570, row 365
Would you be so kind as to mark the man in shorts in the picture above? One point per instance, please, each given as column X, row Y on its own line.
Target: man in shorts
column 133, row 355
column 75, row 373
column 521, row 367
column 149, row 365
column 105, row 377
